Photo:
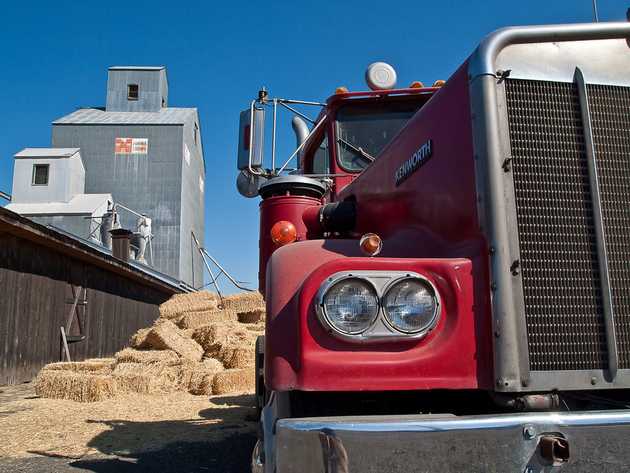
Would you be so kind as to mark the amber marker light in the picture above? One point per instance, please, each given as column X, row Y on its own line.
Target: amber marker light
column 439, row 83
column 371, row 244
column 283, row 233
column 341, row 90
column 416, row 85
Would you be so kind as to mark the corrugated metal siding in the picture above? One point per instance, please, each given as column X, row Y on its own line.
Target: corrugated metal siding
column 192, row 198
column 75, row 224
column 149, row 184
column 95, row 116
column 35, row 281
column 150, row 90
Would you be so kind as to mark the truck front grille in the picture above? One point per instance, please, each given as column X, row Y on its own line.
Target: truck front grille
column 610, row 115
column 558, row 251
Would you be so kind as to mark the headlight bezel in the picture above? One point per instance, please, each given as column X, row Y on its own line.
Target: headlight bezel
column 321, row 306
column 436, row 304
column 380, row 329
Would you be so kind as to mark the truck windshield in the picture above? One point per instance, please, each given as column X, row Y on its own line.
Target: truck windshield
column 363, row 130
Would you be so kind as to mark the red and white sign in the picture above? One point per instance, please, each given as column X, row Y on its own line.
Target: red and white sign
column 131, row 146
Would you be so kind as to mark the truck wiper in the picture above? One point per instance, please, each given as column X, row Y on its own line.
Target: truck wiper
column 357, row 150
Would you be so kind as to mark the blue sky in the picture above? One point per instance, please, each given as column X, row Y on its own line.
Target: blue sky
column 54, row 58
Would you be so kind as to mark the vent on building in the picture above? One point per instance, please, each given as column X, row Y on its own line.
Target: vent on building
column 132, row 92
column 40, row 174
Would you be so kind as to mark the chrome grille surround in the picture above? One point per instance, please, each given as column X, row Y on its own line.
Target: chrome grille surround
column 552, row 54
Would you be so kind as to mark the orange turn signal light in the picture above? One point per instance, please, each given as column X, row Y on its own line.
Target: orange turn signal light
column 371, row 244
column 416, row 84
column 341, row 90
column 439, row 83
column 283, row 233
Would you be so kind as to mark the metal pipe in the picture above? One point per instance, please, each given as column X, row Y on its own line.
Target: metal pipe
column 482, row 60
column 227, row 275
column 297, row 112
column 204, row 254
column 116, row 205
column 213, row 280
column 273, row 136
column 598, row 220
column 301, row 102
column 315, row 128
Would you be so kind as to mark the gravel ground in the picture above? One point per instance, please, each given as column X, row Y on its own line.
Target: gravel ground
column 170, row 433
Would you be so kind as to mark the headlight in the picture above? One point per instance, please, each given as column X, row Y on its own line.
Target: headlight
column 411, row 306
column 350, row 306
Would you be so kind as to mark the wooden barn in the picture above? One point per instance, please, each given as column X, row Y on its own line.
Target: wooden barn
column 54, row 286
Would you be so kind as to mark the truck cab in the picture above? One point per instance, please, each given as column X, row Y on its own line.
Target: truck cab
column 446, row 271
column 358, row 126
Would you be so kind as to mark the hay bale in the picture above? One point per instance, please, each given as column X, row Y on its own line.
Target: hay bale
column 238, row 357
column 187, row 332
column 205, row 386
column 233, row 381
column 138, row 339
column 131, row 355
column 197, row 319
column 104, row 361
column 202, row 375
column 251, row 316
column 147, row 379
column 166, row 336
column 258, row 328
column 181, row 304
column 216, row 338
column 244, row 302
column 80, row 386
column 95, row 365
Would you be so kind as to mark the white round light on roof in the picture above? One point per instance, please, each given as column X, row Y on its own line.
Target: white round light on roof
column 380, row 76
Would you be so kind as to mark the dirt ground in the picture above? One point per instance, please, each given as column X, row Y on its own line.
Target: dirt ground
column 175, row 432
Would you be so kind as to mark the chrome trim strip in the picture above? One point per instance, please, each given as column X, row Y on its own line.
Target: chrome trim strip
column 483, row 59
column 600, row 238
column 445, row 423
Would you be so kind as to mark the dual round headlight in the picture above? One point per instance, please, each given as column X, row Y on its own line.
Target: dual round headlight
column 351, row 305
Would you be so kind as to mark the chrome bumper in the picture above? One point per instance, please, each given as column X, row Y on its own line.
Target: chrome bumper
column 588, row 442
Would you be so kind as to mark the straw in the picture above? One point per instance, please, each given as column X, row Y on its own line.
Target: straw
column 197, row 319
column 166, row 336
column 78, row 386
column 94, row 365
column 146, row 379
column 233, row 381
column 252, row 316
column 131, row 355
column 244, row 302
column 202, row 376
column 138, row 339
column 181, row 304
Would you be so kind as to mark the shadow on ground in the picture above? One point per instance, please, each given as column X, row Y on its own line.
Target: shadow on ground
column 222, row 441
column 180, row 446
column 230, row 454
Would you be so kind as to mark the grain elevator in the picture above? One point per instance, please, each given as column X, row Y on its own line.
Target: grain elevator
column 149, row 157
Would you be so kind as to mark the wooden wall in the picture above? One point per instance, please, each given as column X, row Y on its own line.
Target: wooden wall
column 36, row 299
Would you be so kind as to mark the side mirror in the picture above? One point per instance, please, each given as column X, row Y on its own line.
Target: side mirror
column 251, row 138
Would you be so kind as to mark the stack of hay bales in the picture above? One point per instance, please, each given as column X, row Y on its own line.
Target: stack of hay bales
column 200, row 344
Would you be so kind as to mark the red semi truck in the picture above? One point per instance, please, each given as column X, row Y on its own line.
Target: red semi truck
column 447, row 271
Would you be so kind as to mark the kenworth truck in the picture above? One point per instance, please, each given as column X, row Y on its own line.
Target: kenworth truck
column 447, row 269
